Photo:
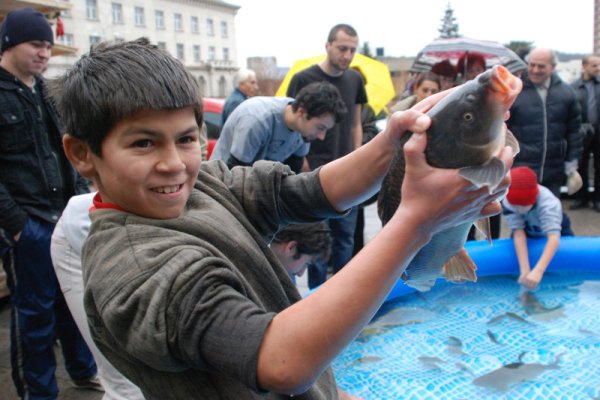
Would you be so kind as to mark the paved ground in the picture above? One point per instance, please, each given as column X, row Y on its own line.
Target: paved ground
column 585, row 223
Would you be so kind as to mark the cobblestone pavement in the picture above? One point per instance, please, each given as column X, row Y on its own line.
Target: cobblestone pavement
column 585, row 223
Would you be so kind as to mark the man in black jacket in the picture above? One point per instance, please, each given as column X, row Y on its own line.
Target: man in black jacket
column 588, row 92
column 546, row 119
column 36, row 181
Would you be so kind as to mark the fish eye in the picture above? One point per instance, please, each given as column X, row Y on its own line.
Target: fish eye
column 468, row 116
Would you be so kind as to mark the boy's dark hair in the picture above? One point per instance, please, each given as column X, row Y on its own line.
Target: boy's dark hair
column 116, row 80
column 319, row 98
column 347, row 29
column 312, row 239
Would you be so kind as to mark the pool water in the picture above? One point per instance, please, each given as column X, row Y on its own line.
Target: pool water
column 484, row 340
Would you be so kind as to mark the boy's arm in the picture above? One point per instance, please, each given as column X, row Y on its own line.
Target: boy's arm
column 537, row 273
column 322, row 324
column 520, row 243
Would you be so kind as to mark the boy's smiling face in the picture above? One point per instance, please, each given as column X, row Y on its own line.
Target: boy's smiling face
column 149, row 162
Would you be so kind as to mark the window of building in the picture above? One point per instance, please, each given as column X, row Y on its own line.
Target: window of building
column 178, row 22
column 91, row 9
column 224, row 33
column 225, row 53
column 159, row 17
column 196, row 52
column 140, row 20
column 66, row 39
column 195, row 28
column 222, row 85
column 180, row 51
column 212, row 53
column 162, row 45
column 210, row 28
column 117, row 13
column 94, row 40
column 66, row 13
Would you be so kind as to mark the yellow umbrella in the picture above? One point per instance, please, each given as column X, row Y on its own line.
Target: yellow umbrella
column 379, row 85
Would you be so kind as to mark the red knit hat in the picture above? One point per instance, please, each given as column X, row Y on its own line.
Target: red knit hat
column 523, row 189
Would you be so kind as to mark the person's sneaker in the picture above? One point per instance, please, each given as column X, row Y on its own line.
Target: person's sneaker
column 92, row 383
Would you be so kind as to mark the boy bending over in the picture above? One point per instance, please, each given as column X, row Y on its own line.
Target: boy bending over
column 183, row 294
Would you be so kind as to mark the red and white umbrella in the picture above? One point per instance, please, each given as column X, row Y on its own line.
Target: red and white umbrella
column 452, row 49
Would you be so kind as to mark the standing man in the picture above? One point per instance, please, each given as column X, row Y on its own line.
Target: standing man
column 588, row 92
column 36, row 181
column 246, row 86
column 343, row 138
column 279, row 128
column 546, row 120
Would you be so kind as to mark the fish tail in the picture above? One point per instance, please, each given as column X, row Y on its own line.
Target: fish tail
column 460, row 268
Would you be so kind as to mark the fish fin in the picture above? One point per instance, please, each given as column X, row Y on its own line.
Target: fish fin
column 460, row 268
column 512, row 142
column 483, row 226
column 489, row 174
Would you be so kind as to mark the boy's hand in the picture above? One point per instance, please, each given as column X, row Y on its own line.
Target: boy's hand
column 532, row 279
column 441, row 198
column 413, row 120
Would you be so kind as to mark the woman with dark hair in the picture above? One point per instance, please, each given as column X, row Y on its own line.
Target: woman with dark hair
column 427, row 84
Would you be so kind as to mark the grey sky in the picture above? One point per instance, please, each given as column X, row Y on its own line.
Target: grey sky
column 290, row 30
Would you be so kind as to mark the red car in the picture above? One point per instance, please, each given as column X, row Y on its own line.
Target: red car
column 213, row 108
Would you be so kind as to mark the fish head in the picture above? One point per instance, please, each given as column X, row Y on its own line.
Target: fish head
column 467, row 127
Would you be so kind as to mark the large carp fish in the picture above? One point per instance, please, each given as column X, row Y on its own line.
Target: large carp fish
column 467, row 132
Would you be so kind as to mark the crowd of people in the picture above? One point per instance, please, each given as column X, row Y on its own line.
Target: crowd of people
column 556, row 125
column 164, row 275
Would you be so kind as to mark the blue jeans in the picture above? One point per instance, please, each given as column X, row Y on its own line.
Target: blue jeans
column 342, row 246
column 39, row 315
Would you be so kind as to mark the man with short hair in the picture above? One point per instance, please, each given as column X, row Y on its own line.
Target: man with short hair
column 588, row 92
column 279, row 128
column 546, row 119
column 36, row 181
column 246, row 86
column 343, row 138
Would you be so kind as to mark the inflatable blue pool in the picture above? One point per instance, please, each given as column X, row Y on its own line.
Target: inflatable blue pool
column 486, row 340
column 573, row 254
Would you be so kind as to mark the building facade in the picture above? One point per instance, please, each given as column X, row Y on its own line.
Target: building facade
column 200, row 33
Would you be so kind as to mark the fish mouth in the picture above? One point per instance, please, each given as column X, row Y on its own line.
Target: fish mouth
column 505, row 85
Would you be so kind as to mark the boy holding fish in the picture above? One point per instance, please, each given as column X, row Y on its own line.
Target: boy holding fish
column 182, row 293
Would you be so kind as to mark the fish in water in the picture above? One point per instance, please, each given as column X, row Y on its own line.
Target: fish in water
column 364, row 360
column 431, row 361
column 467, row 132
column 536, row 309
column 455, row 345
column 511, row 315
column 403, row 316
column 518, row 372
column 493, row 337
